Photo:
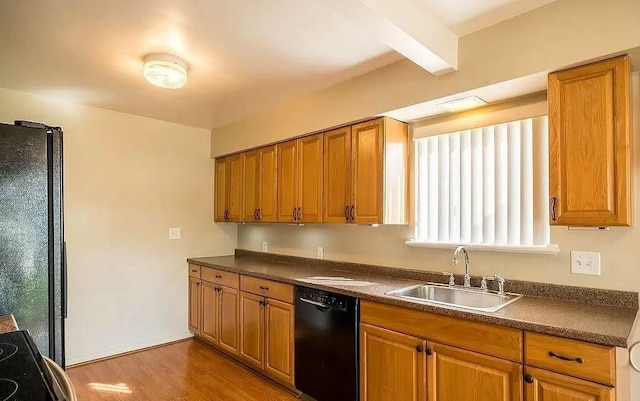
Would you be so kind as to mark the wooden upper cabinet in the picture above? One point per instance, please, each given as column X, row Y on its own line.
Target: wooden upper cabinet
column 228, row 300
column 367, row 160
column 310, row 179
column 251, row 186
column 236, row 187
column 337, row 175
column 220, row 189
column 366, row 173
column 229, row 188
column 542, row 385
column 590, row 145
column 392, row 366
column 279, row 340
column 287, row 181
column 267, row 204
column 455, row 374
column 195, row 294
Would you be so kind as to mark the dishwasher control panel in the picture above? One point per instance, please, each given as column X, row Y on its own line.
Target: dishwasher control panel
column 328, row 299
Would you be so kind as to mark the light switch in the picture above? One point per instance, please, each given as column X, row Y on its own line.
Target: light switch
column 174, row 233
column 585, row 263
column 320, row 252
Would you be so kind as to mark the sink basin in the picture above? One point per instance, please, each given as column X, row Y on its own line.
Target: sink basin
column 456, row 296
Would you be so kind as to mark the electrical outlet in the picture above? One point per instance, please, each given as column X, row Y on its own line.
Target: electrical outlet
column 585, row 263
column 174, row 233
column 320, row 252
column 264, row 247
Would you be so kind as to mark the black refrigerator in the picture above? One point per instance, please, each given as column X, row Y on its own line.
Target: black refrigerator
column 32, row 247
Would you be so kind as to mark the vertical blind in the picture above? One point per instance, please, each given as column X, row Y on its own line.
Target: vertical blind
column 485, row 186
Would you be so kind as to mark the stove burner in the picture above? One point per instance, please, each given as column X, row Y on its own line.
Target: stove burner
column 7, row 386
column 13, row 349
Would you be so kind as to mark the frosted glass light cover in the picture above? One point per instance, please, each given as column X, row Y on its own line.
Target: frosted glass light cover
column 165, row 71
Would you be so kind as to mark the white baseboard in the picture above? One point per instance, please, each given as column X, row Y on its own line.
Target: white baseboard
column 74, row 360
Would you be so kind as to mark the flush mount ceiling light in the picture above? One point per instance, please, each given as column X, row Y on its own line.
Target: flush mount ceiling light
column 465, row 103
column 165, row 71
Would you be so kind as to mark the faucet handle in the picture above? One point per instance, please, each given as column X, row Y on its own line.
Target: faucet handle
column 452, row 280
column 500, row 278
column 483, row 283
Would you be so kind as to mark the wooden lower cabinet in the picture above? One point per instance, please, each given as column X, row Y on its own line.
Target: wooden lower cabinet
column 392, row 366
column 542, row 385
column 455, row 375
column 228, row 336
column 209, row 305
column 252, row 329
column 279, row 340
column 194, row 304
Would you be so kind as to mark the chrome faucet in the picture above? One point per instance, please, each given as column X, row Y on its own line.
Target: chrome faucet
column 467, row 276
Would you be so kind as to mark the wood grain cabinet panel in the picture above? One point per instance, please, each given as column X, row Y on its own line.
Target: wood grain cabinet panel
column 195, row 294
column 268, row 196
column 310, row 150
column 392, row 366
column 229, row 188
column 287, row 181
column 279, row 340
column 228, row 300
column 337, row 175
column 366, row 171
column 210, row 313
column 251, row 186
column 455, row 375
column 542, row 385
column 590, row 145
column 252, row 329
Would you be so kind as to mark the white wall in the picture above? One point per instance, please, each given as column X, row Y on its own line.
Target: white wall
column 127, row 180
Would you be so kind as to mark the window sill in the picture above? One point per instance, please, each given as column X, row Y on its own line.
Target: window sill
column 551, row 249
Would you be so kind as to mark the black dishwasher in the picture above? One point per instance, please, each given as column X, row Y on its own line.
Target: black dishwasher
column 326, row 345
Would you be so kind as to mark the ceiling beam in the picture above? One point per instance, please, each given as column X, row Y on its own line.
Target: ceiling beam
column 406, row 26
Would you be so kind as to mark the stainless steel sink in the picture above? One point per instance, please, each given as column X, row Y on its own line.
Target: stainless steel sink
column 460, row 297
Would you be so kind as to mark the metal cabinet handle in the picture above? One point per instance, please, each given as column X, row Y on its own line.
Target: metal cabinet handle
column 346, row 213
column 255, row 214
column 299, row 214
column 554, row 215
column 419, row 348
column 353, row 212
column 565, row 358
column 528, row 379
column 429, row 352
column 263, row 288
column 259, row 215
column 218, row 276
column 194, row 271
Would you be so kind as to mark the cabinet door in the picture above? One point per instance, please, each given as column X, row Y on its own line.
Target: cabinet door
column 251, row 186
column 455, row 374
column 337, row 175
column 220, row 189
column 589, row 145
column 543, row 385
column 392, row 366
column 235, row 187
column 310, row 178
column 287, row 181
column 252, row 329
column 228, row 319
column 194, row 305
column 279, row 340
column 209, row 313
column 268, row 184
column 367, row 147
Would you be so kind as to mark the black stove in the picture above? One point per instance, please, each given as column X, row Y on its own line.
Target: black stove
column 24, row 375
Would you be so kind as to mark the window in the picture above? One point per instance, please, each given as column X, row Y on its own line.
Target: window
column 486, row 186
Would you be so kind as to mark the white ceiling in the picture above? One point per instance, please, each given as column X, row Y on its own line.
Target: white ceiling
column 243, row 55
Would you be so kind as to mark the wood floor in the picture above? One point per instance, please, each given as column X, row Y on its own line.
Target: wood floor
column 185, row 371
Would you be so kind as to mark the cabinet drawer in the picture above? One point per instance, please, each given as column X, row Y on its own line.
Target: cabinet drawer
column 221, row 277
column 194, row 270
column 574, row 358
column 267, row 288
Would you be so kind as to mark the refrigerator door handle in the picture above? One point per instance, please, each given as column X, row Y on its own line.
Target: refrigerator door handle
column 65, row 305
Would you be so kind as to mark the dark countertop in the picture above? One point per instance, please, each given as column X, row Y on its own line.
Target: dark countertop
column 601, row 324
column 7, row 324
